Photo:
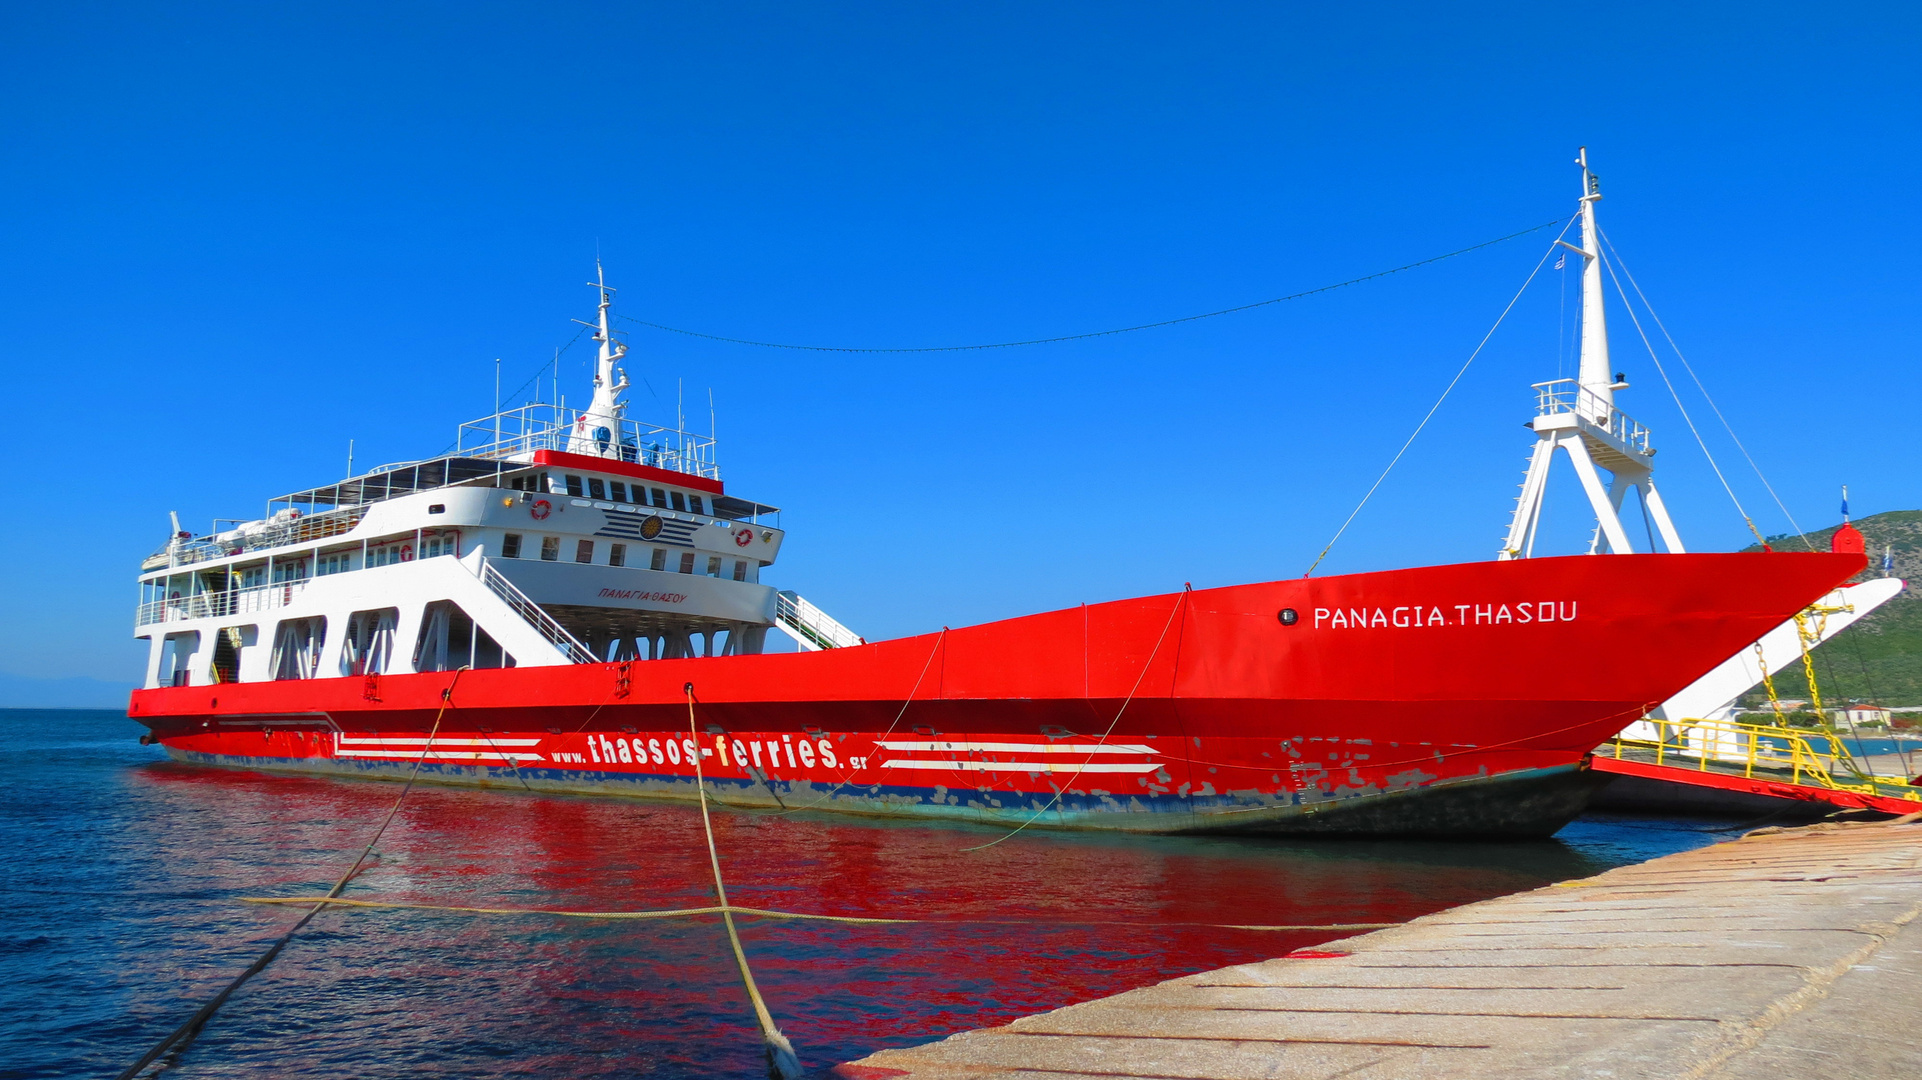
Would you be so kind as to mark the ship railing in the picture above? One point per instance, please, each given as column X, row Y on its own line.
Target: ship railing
column 1559, row 396
column 219, row 605
column 812, row 626
column 536, row 616
column 1757, row 751
column 299, row 528
column 516, row 433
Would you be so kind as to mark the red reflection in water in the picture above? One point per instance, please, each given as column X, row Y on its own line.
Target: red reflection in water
column 1038, row 921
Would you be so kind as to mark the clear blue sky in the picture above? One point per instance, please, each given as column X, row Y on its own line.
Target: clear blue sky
column 236, row 236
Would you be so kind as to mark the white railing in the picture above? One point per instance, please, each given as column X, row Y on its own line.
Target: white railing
column 811, row 625
column 517, row 433
column 1559, row 396
column 216, row 605
column 297, row 530
column 536, row 616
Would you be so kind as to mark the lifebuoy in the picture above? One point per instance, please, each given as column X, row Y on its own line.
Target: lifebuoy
column 539, row 509
column 407, row 553
column 744, row 537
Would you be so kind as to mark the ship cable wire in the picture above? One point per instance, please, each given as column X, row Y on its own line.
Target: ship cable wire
column 1615, row 257
column 1092, row 333
column 782, row 1064
column 1181, row 600
column 1432, row 409
column 183, row 1035
column 1609, row 264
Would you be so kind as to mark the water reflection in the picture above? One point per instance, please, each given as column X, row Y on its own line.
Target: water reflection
column 1035, row 922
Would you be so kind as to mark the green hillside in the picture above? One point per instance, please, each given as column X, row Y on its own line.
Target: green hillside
column 1879, row 658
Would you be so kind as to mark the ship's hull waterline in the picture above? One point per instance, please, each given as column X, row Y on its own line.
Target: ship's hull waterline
column 1443, row 700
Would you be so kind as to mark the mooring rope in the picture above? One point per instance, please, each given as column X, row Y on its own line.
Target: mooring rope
column 782, row 1064
column 1181, row 599
column 181, row 1036
column 775, row 913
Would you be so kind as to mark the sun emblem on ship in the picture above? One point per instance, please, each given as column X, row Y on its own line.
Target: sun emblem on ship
column 651, row 528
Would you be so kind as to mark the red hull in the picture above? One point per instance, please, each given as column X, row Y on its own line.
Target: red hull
column 1457, row 698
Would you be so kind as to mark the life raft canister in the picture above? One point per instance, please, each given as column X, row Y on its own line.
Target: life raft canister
column 539, row 509
column 743, row 537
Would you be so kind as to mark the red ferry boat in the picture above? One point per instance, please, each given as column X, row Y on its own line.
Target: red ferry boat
column 571, row 601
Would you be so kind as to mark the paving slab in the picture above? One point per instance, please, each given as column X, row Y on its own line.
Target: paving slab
column 1789, row 952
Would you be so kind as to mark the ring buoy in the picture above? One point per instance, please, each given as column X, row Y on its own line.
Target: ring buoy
column 407, row 553
column 744, row 537
column 539, row 509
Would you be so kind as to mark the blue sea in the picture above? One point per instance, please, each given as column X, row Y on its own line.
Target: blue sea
column 121, row 913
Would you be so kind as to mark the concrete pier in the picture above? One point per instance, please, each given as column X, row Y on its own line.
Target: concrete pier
column 1788, row 953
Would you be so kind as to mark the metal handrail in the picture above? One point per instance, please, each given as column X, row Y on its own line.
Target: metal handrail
column 1558, row 396
column 303, row 529
column 213, row 605
column 816, row 625
column 536, row 616
column 516, row 433
column 1770, row 749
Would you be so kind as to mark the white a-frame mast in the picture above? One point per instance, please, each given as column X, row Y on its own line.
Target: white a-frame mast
column 1578, row 417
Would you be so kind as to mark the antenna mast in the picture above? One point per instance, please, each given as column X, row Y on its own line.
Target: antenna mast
column 1578, row 417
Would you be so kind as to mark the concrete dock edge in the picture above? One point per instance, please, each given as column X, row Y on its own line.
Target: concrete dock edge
column 1787, row 953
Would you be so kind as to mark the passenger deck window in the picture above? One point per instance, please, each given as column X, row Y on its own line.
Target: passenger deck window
column 617, row 490
column 659, row 562
column 617, row 554
column 511, row 546
column 550, row 549
column 574, row 486
column 740, row 569
column 584, row 551
column 687, row 562
column 596, row 489
column 694, row 504
column 713, row 566
column 660, row 498
column 676, row 496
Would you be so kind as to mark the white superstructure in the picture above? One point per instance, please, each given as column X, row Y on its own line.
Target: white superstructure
column 546, row 536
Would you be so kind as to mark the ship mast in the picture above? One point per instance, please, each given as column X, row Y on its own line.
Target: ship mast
column 1578, row 417
column 597, row 429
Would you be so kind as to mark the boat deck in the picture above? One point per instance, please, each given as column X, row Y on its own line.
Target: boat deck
column 1786, row 953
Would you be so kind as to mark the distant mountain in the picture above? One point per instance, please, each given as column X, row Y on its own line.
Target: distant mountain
column 1879, row 658
column 25, row 692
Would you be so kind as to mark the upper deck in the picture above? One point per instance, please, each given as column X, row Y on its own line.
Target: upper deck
column 657, row 466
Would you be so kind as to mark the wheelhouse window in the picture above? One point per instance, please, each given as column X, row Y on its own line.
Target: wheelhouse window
column 617, row 554
column 617, row 491
column 574, row 486
column 687, row 562
column 694, row 504
column 584, row 551
column 511, row 546
column 675, row 498
column 659, row 561
column 550, row 549
column 596, row 488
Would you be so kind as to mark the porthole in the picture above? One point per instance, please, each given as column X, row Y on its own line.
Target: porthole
column 1289, row 617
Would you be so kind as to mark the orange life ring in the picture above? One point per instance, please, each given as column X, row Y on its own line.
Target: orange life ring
column 539, row 509
column 744, row 537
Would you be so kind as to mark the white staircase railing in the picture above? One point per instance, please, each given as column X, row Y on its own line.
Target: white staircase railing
column 812, row 628
column 536, row 616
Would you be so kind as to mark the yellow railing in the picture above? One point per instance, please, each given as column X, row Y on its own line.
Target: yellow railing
column 1725, row 746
